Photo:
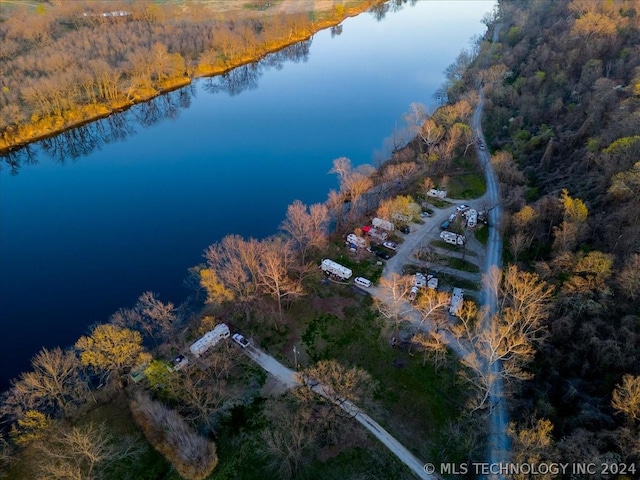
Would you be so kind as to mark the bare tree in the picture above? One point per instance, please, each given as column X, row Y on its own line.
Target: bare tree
column 340, row 383
column 276, row 261
column 236, row 263
column 149, row 316
column 162, row 316
column 307, row 230
column 354, row 183
column 519, row 242
column 393, row 301
column 533, row 446
column 629, row 278
column 84, row 453
column 433, row 345
column 626, row 397
column 431, row 133
column 507, row 337
column 55, row 385
column 291, row 433
column 335, row 203
column 431, row 305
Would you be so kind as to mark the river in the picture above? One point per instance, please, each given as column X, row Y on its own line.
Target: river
column 92, row 218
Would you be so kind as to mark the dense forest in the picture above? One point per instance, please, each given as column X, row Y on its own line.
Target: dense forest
column 562, row 118
column 64, row 63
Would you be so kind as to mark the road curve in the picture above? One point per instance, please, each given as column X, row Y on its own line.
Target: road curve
column 288, row 377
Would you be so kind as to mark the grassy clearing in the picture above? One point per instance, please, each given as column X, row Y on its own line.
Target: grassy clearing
column 466, row 186
column 363, row 268
column 414, row 401
column 453, row 248
column 463, row 265
column 482, row 234
column 446, row 279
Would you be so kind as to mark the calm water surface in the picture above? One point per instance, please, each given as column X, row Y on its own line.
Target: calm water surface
column 82, row 235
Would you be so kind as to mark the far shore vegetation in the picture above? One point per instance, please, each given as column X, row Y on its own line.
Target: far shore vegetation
column 68, row 63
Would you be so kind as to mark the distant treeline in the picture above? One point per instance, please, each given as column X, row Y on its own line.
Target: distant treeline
column 76, row 61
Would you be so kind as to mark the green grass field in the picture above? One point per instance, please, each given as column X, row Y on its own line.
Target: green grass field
column 466, row 186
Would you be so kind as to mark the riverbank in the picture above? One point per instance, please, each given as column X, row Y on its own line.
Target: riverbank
column 39, row 128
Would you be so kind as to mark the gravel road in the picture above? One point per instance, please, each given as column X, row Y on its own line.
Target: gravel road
column 289, row 379
column 499, row 443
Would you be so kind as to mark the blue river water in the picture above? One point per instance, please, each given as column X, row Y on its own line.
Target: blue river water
column 91, row 219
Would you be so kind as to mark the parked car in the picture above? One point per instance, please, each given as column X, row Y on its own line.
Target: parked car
column 445, row 224
column 425, row 214
column 462, row 208
column 390, row 246
column 382, row 254
column 452, row 217
column 405, row 229
column 179, row 362
column 240, row 340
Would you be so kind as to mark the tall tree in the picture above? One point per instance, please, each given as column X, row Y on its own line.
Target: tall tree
column 394, row 296
column 354, row 183
column 626, row 398
column 510, row 335
column 55, row 385
column 236, row 263
column 87, row 452
column 306, row 228
column 340, row 383
column 112, row 350
column 193, row 456
column 276, row 262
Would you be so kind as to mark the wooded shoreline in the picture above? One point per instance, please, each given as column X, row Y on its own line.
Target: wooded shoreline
column 15, row 137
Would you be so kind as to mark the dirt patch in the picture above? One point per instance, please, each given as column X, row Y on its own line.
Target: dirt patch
column 333, row 305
